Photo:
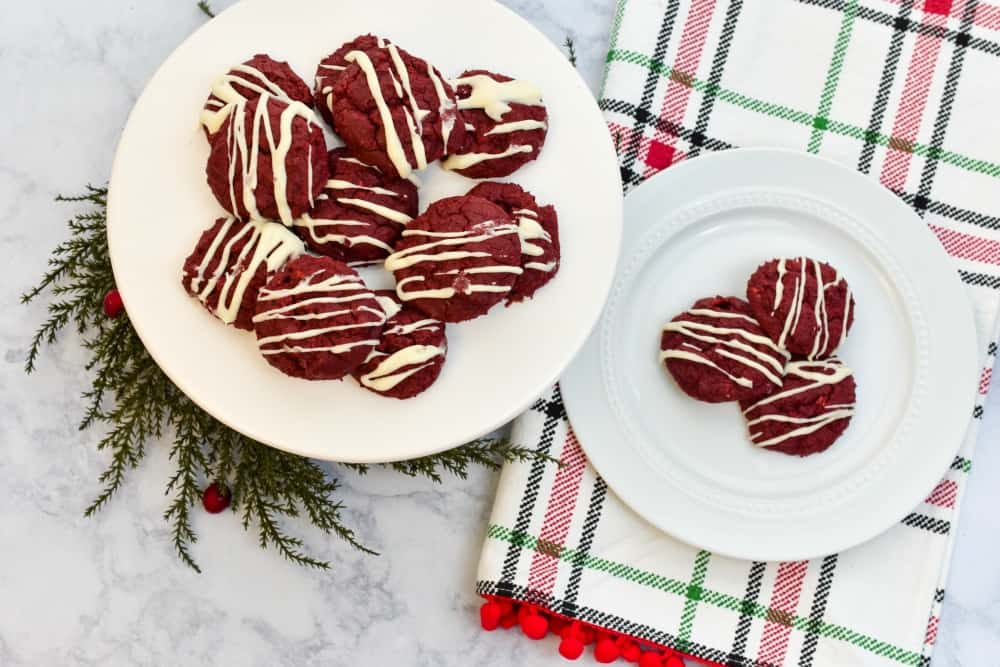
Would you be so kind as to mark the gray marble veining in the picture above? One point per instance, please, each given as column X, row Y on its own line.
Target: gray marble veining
column 108, row 590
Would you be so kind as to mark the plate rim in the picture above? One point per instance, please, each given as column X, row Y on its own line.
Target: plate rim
column 571, row 345
column 577, row 376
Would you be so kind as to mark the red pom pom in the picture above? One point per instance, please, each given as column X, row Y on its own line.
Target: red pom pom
column 605, row 651
column 557, row 625
column 505, row 606
column 674, row 661
column 630, row 650
column 650, row 659
column 215, row 498
column 508, row 620
column 535, row 626
column 524, row 611
column 570, row 648
column 489, row 616
column 113, row 305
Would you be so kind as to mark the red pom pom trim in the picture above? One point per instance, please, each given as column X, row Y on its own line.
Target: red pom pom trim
column 536, row 623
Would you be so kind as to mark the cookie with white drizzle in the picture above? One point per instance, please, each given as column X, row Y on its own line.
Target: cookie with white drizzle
column 804, row 305
column 246, row 81
column 232, row 261
column 410, row 354
column 457, row 260
column 538, row 229
column 315, row 319
column 506, row 123
column 268, row 160
column 809, row 414
column 716, row 352
column 329, row 69
column 393, row 110
column 360, row 213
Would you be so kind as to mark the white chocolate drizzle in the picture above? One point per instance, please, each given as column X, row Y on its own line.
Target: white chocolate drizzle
column 446, row 106
column 225, row 97
column 393, row 145
column 725, row 337
column 816, row 375
column 390, row 306
column 413, row 114
column 518, row 126
column 338, row 184
column 246, row 155
column 336, row 290
column 398, row 366
column 495, row 97
column 323, row 228
column 378, row 209
column 464, row 161
column 435, row 251
column 417, row 255
column 348, row 240
column 821, row 340
column 266, row 243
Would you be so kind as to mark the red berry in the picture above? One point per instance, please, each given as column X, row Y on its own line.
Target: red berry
column 570, row 648
column 535, row 626
column 605, row 650
column 215, row 498
column 113, row 305
column 489, row 616
column 650, row 659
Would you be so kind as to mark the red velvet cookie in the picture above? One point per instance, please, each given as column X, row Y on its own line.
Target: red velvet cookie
column 804, row 305
column 316, row 320
column 393, row 110
column 506, row 124
column 717, row 352
column 260, row 74
column 457, row 260
column 538, row 230
column 274, row 172
column 409, row 356
column 810, row 412
column 329, row 69
column 231, row 263
column 359, row 215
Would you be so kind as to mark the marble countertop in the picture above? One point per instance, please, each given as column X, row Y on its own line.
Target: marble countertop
column 109, row 590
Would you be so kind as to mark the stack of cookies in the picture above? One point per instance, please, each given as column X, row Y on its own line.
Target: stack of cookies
column 300, row 218
column 772, row 353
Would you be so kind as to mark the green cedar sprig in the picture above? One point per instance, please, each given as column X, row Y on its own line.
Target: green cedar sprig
column 570, row 50
column 138, row 404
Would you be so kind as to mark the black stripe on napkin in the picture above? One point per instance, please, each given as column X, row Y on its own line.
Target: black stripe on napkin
column 554, row 413
column 818, row 610
column 930, row 524
column 737, row 655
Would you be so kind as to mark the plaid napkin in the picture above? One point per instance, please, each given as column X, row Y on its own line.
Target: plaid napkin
column 906, row 92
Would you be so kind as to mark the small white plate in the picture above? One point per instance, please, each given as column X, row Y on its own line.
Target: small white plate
column 159, row 204
column 700, row 229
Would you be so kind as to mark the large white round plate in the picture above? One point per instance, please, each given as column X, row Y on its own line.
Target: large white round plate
column 159, row 203
column 700, row 229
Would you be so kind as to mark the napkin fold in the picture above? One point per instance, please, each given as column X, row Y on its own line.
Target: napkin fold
column 904, row 91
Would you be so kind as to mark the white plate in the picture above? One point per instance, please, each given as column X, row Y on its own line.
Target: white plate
column 700, row 229
column 496, row 365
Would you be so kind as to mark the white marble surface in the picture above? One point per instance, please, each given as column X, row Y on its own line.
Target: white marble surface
column 109, row 590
